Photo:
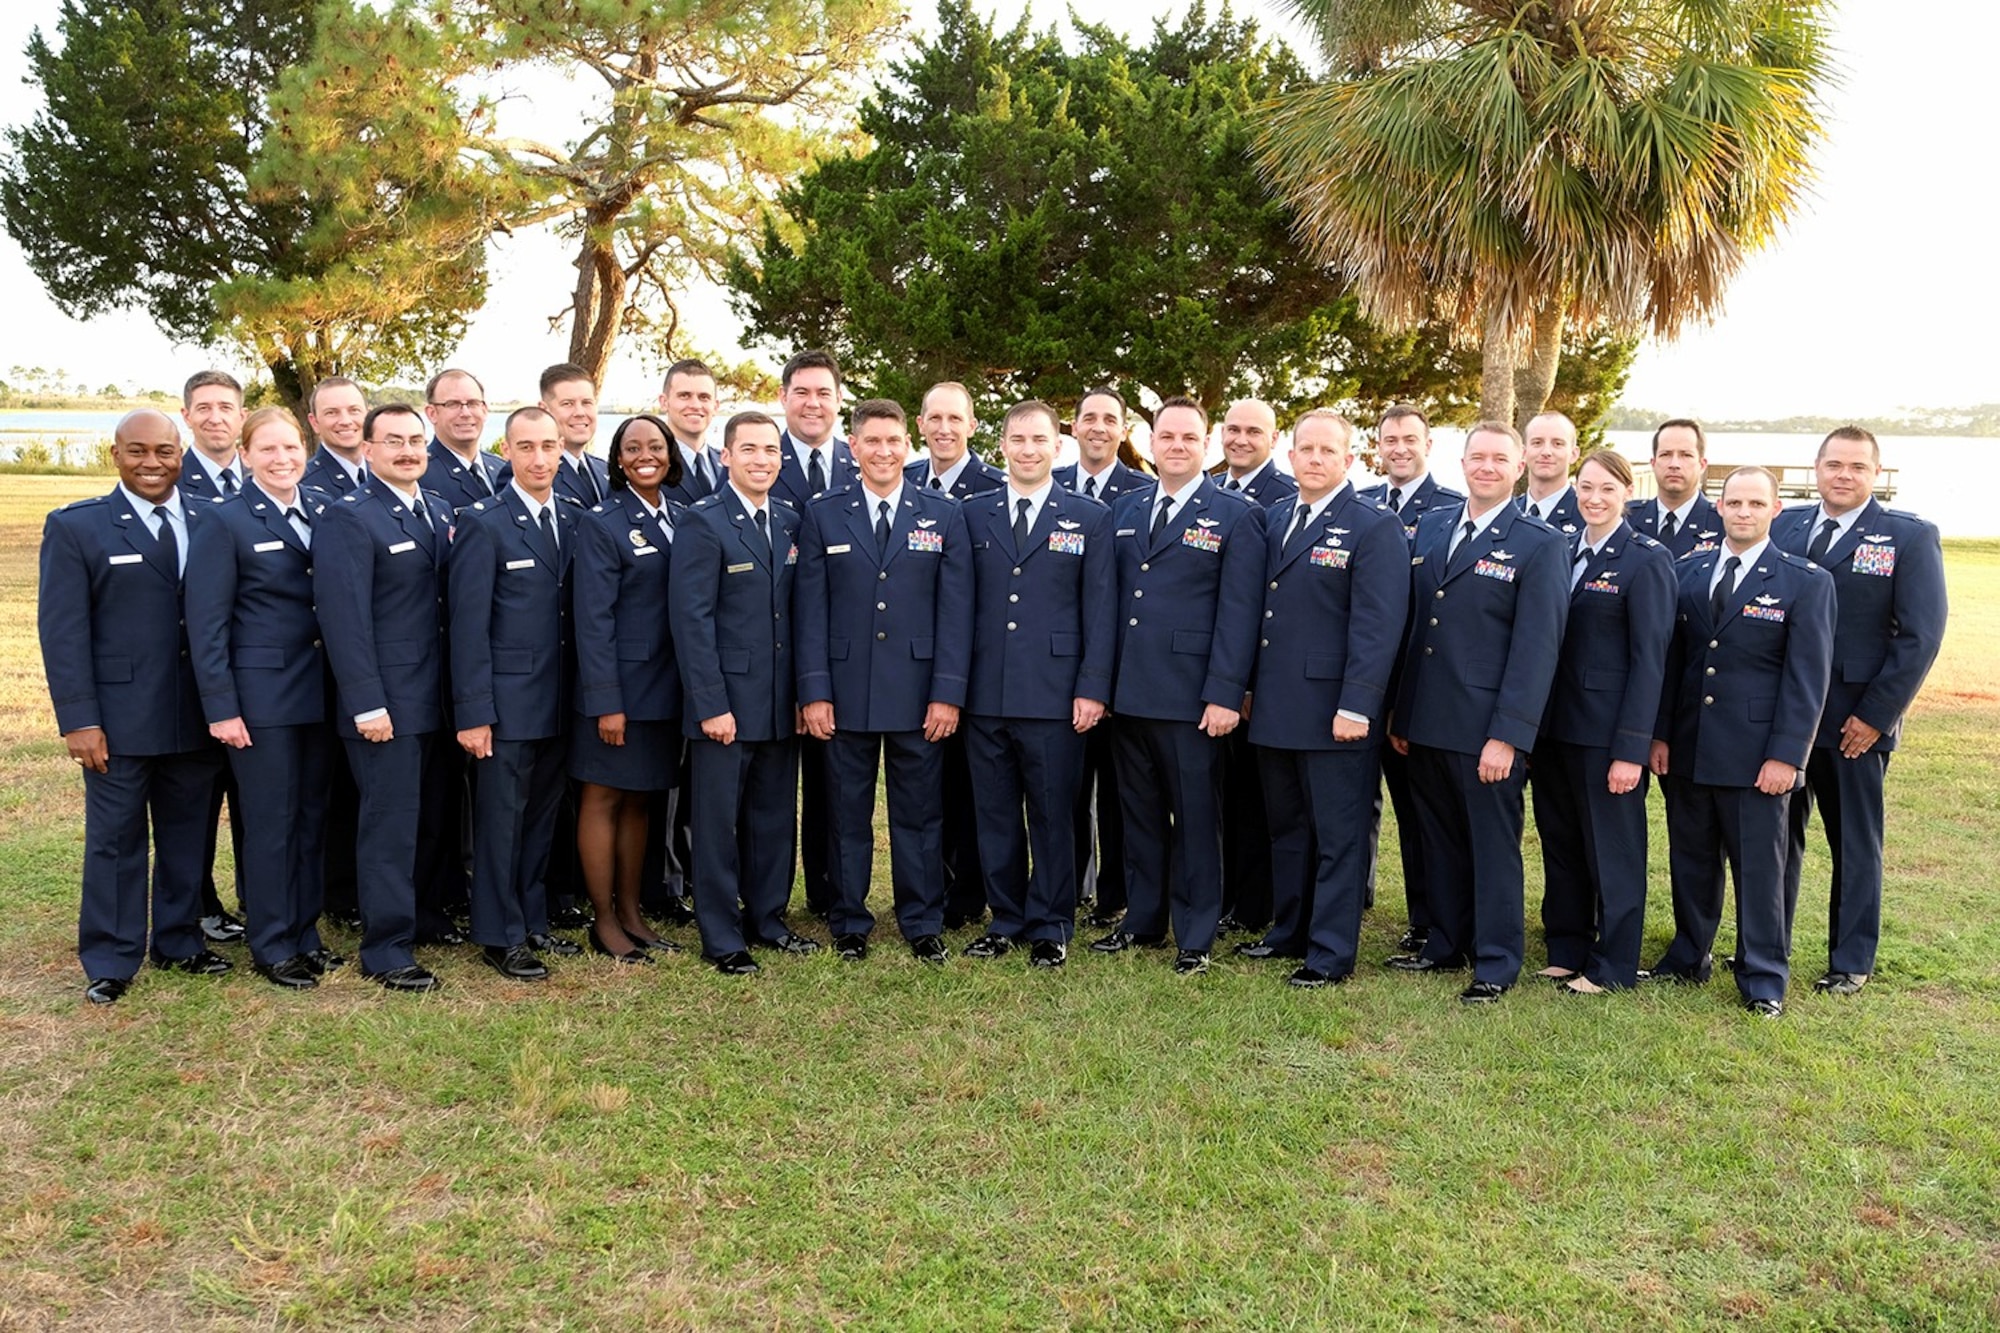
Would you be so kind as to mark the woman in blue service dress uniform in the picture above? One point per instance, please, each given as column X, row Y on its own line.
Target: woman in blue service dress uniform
column 627, row 746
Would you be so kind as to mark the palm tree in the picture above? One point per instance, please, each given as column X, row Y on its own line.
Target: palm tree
column 1519, row 166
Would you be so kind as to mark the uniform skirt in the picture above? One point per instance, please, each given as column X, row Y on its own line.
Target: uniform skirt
column 647, row 761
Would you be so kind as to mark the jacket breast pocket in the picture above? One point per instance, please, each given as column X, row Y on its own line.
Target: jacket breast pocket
column 257, row 656
column 513, row 661
column 735, row 661
column 112, row 670
column 1065, row 645
column 1598, row 679
column 921, row 649
column 1192, row 641
column 399, row 652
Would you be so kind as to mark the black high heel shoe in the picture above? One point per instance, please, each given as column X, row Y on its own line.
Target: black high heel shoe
column 658, row 944
column 630, row 958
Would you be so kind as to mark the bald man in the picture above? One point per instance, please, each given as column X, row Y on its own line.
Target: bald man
column 122, row 683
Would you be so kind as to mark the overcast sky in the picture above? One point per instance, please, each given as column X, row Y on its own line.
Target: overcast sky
column 1881, row 295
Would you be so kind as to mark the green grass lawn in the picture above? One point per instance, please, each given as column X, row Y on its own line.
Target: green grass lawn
column 987, row 1146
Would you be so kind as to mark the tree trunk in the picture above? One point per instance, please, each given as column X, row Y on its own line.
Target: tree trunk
column 598, row 308
column 1496, row 371
column 289, row 381
column 1534, row 381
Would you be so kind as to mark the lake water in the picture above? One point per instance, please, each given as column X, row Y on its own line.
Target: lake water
column 1940, row 477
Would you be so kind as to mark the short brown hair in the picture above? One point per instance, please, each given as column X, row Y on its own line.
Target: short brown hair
column 1752, row 469
column 1852, row 432
column 1394, row 410
column 562, row 372
column 1344, row 426
column 879, row 409
column 1028, row 407
column 203, row 379
column 1181, row 400
column 1612, row 462
column 1495, row 428
column 1686, row 423
column 812, row 359
column 333, row 382
column 685, row 366
column 742, row 419
column 431, row 384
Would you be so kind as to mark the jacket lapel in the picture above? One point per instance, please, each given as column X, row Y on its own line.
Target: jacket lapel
column 1842, row 549
column 746, row 531
column 138, row 537
column 272, row 515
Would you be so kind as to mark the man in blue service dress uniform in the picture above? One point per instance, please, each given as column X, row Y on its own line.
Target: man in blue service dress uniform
column 1043, row 635
column 1678, row 516
column 1746, row 680
column 1403, row 444
column 1889, row 615
column 1550, row 453
column 116, row 655
column 461, row 470
column 336, row 411
column 379, row 584
column 1190, row 573
column 1486, row 625
column 512, row 667
column 884, row 607
column 1336, row 593
column 730, row 609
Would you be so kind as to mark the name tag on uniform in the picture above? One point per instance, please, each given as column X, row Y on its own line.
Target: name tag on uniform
column 521, row 564
column 743, row 568
column 1494, row 569
column 1328, row 557
column 1126, row 532
column 268, row 546
column 638, row 551
column 1201, row 539
column 927, row 540
column 126, row 559
column 841, row 549
column 1066, row 543
column 401, row 547
column 1878, row 560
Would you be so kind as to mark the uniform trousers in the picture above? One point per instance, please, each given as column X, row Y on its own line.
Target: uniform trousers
column 1749, row 830
column 912, row 768
column 1472, row 844
column 1409, row 840
column 400, row 848
column 1027, row 766
column 118, row 885
column 1849, row 795
column 1319, row 802
column 515, row 792
column 1593, row 863
column 282, row 780
column 742, row 827
column 1170, row 789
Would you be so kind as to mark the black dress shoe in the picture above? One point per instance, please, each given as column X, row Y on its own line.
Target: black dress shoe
column 928, row 949
column 322, row 961
column 294, row 973
column 1841, row 983
column 738, row 964
column 1190, row 963
column 555, row 944
column 1483, row 992
column 631, row 957
column 656, row 944
column 203, row 964
column 988, row 946
column 1405, row 962
column 411, row 978
column 106, row 990
column 1311, row 978
column 1047, row 953
column 222, row 928
column 1227, row 924
column 1765, row 1008
column 449, row 938
column 572, row 917
column 790, row 943
column 1413, row 941
column 1120, row 940
column 1104, row 919
column 851, row 948
column 1661, row 976
column 677, row 912
column 517, row 961
column 1257, row 949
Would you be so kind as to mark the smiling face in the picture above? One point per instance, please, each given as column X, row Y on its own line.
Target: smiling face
column 812, row 405
column 1600, row 498
column 1678, row 465
column 1249, row 432
column 689, row 404
column 534, row 450
column 147, row 450
column 1551, row 453
column 1099, row 428
column 1029, row 442
column 276, row 457
column 1749, row 503
column 573, row 404
column 1321, row 454
column 1180, row 441
column 1405, row 446
column 337, row 413
column 881, row 447
column 1492, row 466
column 643, row 454
column 396, row 450
column 753, row 457
column 947, row 425
column 1845, row 471
column 457, row 412
column 214, row 412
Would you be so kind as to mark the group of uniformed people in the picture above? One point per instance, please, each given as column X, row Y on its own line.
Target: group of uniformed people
column 1168, row 703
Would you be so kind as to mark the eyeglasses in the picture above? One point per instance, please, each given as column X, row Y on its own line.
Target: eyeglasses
column 459, row 404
